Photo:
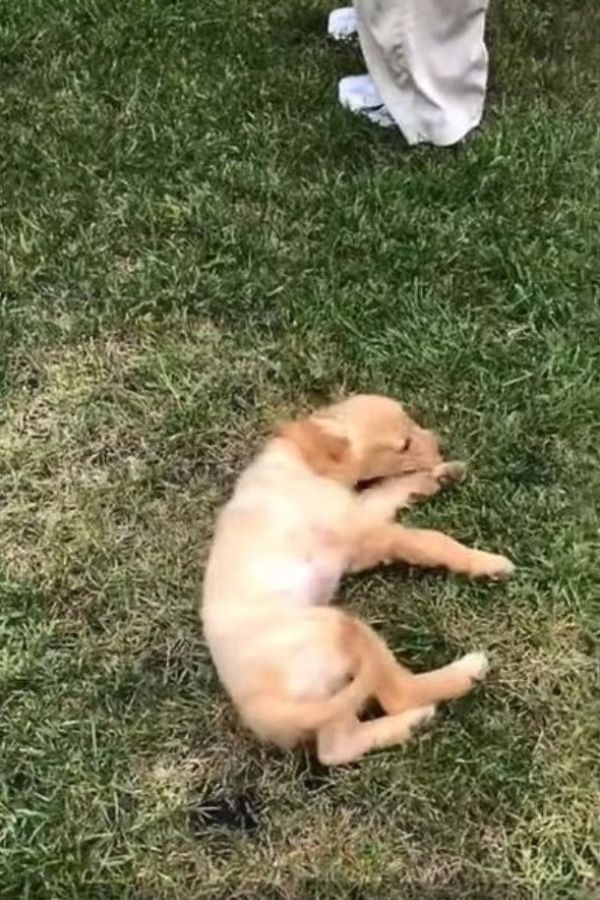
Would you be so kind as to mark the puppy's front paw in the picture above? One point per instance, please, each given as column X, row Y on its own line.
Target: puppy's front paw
column 449, row 473
column 490, row 565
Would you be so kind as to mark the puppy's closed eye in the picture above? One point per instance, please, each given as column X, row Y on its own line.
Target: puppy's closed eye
column 405, row 445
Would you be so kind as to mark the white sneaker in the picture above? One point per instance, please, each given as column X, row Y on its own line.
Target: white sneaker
column 342, row 23
column 358, row 94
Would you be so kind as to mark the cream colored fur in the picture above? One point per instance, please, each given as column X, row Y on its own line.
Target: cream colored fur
column 297, row 669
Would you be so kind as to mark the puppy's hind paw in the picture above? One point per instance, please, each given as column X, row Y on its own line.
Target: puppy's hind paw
column 490, row 565
column 474, row 665
column 420, row 717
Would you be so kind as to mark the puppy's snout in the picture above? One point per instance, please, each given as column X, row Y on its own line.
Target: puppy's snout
column 439, row 443
column 430, row 447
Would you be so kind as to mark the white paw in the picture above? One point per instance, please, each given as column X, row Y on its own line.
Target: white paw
column 491, row 565
column 474, row 665
column 450, row 472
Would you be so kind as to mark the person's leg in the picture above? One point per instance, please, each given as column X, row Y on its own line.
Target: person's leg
column 356, row 92
column 428, row 64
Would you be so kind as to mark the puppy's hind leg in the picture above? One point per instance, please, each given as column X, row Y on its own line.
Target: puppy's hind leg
column 348, row 739
column 405, row 690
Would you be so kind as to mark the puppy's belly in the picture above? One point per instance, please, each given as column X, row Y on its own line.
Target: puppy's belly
column 305, row 582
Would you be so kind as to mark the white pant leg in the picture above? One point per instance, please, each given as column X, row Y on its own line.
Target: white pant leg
column 429, row 63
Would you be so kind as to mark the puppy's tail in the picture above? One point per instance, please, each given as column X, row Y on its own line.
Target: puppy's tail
column 370, row 662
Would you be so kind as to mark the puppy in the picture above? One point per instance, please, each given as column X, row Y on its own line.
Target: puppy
column 297, row 669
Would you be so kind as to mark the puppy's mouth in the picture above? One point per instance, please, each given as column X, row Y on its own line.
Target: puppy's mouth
column 373, row 482
column 368, row 483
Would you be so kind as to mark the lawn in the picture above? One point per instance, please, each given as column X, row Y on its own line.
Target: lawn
column 196, row 241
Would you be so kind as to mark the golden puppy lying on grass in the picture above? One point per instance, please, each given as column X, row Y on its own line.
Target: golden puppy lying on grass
column 297, row 669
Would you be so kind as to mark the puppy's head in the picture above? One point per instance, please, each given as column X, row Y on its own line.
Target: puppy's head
column 364, row 437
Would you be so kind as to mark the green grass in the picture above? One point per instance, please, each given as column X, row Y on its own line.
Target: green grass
column 195, row 242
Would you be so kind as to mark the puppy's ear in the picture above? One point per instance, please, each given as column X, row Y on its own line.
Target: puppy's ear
column 327, row 454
